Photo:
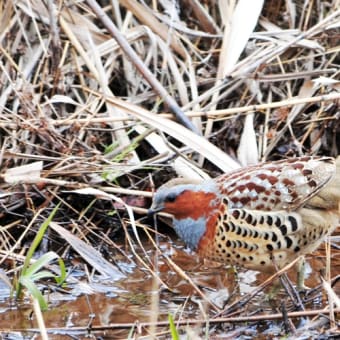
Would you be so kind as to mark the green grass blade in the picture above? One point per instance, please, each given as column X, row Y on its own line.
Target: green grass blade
column 40, row 263
column 35, row 272
column 173, row 330
column 34, row 291
column 35, row 245
column 61, row 279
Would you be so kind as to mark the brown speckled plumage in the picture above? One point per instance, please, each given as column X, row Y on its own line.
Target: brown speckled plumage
column 259, row 215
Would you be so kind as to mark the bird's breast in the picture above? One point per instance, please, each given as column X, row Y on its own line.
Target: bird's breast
column 190, row 230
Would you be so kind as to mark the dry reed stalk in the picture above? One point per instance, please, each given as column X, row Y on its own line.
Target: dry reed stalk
column 74, row 107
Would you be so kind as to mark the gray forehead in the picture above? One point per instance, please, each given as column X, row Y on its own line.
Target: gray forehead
column 206, row 186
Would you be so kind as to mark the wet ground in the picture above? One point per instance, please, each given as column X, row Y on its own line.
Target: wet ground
column 95, row 307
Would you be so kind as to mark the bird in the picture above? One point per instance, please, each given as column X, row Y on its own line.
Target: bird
column 259, row 217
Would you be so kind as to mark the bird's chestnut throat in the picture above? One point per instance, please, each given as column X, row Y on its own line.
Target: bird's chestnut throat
column 193, row 204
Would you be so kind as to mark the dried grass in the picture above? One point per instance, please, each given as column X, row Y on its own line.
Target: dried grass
column 80, row 111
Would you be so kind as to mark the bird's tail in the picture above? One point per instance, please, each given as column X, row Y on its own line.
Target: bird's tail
column 328, row 198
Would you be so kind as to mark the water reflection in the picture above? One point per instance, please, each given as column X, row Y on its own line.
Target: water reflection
column 101, row 302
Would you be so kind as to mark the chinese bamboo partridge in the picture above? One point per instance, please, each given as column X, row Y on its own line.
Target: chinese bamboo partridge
column 259, row 215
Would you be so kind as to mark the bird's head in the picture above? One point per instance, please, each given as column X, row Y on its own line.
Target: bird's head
column 194, row 207
column 184, row 199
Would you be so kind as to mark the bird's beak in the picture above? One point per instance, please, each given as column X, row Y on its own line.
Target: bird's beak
column 151, row 212
column 154, row 210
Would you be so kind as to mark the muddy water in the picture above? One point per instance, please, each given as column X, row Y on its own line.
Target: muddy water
column 91, row 302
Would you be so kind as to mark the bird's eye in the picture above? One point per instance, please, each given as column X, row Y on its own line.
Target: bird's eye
column 170, row 197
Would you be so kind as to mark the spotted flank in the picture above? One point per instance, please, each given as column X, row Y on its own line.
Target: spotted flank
column 258, row 240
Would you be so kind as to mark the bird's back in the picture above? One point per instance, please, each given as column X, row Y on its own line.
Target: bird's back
column 285, row 184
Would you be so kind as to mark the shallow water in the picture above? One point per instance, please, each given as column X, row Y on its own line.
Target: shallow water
column 90, row 302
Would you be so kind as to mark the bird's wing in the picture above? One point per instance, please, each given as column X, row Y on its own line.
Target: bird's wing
column 281, row 185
